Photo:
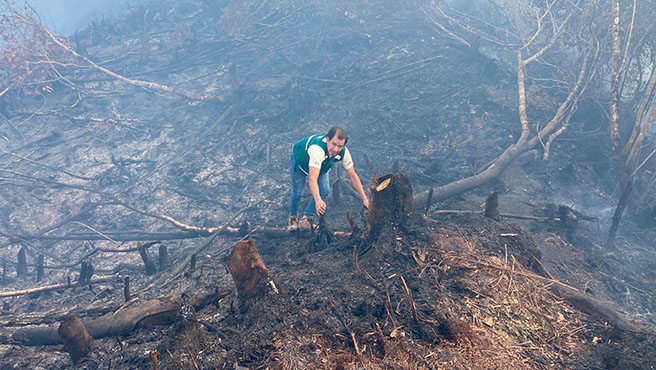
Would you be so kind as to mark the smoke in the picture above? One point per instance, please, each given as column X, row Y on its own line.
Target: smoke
column 67, row 16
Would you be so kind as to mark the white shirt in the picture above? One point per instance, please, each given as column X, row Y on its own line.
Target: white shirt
column 318, row 155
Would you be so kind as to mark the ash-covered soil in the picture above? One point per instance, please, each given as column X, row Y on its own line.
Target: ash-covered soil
column 97, row 158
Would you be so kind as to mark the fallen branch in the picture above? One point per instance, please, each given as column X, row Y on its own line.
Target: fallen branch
column 54, row 287
column 158, row 311
column 142, row 84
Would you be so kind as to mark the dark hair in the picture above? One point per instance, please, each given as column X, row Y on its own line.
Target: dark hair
column 340, row 132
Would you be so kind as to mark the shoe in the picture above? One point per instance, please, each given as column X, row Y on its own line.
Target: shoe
column 292, row 223
column 305, row 223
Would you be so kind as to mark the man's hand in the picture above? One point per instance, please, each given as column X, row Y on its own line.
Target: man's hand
column 365, row 202
column 320, row 206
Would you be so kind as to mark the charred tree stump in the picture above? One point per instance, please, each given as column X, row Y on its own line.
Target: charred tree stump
column 86, row 272
column 492, row 206
column 248, row 271
column 40, row 272
column 163, row 258
column 21, row 266
column 77, row 340
column 192, row 263
column 390, row 204
column 617, row 215
column 126, row 289
column 324, row 235
column 150, row 266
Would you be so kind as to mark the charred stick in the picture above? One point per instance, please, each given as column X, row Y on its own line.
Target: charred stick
column 363, row 273
column 163, row 258
column 192, row 263
column 354, row 226
column 408, row 296
column 150, row 266
column 126, row 288
column 343, row 321
column 21, row 267
column 39, row 268
column 429, row 200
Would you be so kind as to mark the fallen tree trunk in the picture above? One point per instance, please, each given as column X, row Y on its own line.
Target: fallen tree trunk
column 158, row 311
column 268, row 231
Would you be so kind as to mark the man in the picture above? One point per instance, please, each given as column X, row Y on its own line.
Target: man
column 311, row 159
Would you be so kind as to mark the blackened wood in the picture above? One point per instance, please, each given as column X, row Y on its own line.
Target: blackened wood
column 21, row 267
column 86, row 272
column 126, row 288
column 390, row 203
column 355, row 229
column 39, row 268
column 77, row 340
column 428, row 201
column 192, row 263
column 617, row 216
column 163, row 258
column 492, row 206
column 150, row 266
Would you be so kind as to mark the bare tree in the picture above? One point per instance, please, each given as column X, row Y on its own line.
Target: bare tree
column 554, row 36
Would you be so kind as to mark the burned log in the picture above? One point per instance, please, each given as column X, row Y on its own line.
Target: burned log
column 133, row 315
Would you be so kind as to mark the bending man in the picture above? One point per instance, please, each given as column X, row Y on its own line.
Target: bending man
column 311, row 159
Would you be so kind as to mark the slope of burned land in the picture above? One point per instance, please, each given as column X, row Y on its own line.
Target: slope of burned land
column 96, row 164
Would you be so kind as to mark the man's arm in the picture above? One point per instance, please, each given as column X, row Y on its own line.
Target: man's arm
column 355, row 180
column 313, row 176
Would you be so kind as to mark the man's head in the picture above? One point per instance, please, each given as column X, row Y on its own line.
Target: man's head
column 336, row 138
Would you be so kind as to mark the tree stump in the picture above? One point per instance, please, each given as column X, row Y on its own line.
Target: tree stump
column 390, row 204
column 248, row 271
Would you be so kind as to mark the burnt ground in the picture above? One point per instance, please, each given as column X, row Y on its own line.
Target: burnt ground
column 412, row 101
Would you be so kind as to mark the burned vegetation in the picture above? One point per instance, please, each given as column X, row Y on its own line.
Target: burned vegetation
column 144, row 181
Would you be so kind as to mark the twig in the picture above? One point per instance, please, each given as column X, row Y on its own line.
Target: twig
column 408, row 296
column 343, row 321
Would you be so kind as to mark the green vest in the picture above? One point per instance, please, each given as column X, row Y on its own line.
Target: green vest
column 302, row 158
